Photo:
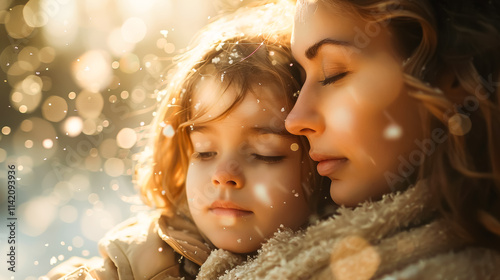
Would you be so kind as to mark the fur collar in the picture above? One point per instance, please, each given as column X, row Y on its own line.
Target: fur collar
column 370, row 241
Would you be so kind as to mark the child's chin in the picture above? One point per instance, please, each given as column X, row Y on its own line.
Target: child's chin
column 239, row 246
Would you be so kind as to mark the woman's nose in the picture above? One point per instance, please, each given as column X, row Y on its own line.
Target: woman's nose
column 228, row 174
column 305, row 117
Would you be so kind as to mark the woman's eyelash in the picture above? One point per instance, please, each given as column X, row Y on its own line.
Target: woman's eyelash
column 334, row 78
column 268, row 159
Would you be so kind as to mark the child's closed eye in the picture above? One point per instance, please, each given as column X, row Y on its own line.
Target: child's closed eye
column 268, row 159
column 204, row 155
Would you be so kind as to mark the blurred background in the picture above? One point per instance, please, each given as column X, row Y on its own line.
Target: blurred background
column 78, row 80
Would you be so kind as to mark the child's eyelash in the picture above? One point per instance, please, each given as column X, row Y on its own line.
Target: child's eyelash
column 210, row 155
column 334, row 78
column 268, row 159
column 204, row 155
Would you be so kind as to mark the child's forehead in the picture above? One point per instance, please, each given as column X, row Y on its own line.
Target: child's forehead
column 209, row 92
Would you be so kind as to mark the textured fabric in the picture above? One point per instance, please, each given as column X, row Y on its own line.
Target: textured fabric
column 153, row 246
column 398, row 237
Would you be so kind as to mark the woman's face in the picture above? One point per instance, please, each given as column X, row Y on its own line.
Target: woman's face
column 353, row 107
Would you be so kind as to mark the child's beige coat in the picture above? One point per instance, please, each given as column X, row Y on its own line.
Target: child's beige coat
column 149, row 247
column 398, row 237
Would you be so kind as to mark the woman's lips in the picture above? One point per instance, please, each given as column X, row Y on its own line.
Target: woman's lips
column 328, row 165
column 227, row 208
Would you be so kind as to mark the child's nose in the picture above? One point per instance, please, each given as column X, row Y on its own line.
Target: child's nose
column 228, row 174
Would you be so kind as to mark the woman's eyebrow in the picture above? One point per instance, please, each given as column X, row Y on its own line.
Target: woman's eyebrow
column 312, row 51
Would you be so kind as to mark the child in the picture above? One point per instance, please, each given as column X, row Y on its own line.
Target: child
column 220, row 156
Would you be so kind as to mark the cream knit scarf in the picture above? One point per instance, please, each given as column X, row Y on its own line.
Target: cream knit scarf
column 374, row 240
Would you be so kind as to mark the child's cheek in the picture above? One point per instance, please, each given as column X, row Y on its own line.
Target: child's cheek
column 199, row 189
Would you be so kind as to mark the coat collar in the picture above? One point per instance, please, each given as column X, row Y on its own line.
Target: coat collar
column 182, row 235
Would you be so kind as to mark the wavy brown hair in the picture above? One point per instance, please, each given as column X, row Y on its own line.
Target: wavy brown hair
column 246, row 49
column 451, row 65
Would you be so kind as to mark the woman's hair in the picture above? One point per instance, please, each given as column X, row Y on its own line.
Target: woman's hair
column 241, row 51
column 451, row 65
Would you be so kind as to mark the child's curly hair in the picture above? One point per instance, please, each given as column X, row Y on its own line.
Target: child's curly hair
column 248, row 48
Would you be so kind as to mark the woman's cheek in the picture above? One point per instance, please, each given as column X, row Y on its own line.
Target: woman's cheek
column 377, row 85
column 342, row 118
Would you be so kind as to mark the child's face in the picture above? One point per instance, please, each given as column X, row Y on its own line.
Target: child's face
column 245, row 177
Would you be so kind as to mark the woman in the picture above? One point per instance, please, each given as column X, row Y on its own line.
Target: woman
column 400, row 104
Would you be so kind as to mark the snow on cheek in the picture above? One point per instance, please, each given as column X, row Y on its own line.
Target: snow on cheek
column 342, row 117
column 262, row 194
column 393, row 132
column 228, row 221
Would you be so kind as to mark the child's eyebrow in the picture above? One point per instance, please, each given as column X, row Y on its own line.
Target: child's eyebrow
column 254, row 130
column 200, row 128
column 269, row 130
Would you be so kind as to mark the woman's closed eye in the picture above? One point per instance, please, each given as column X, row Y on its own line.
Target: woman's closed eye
column 334, row 78
column 268, row 159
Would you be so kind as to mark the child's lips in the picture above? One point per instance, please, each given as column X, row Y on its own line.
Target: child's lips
column 227, row 208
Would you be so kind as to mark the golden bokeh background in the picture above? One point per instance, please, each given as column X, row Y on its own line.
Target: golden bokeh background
column 78, row 83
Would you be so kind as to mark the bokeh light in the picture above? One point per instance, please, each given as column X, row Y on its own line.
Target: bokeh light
column 68, row 214
column 108, row 148
column 34, row 138
column 138, row 95
column 73, row 126
column 90, row 126
column 27, row 95
column 89, row 104
column 133, row 30
column 47, row 54
column 126, row 138
column 393, row 132
column 8, row 56
column 62, row 192
column 78, row 241
column 117, row 45
column 92, row 71
column 34, row 15
column 26, row 125
column 6, row 130
column 48, row 143
column 15, row 24
column 129, row 63
column 459, row 124
column 343, row 268
column 37, row 215
column 62, row 28
column 30, row 58
column 114, row 167
column 54, row 108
